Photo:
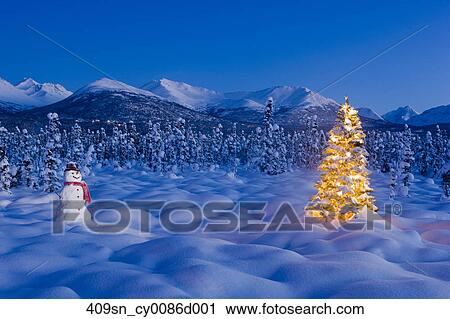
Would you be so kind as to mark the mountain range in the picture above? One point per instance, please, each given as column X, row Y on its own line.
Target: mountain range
column 107, row 101
column 28, row 94
column 293, row 104
column 401, row 115
column 164, row 99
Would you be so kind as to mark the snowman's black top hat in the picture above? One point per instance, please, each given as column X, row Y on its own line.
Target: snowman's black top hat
column 71, row 167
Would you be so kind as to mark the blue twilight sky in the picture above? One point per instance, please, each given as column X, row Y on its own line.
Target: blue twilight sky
column 238, row 45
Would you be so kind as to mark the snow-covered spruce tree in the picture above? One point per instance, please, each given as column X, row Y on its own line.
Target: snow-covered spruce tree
column 76, row 145
column 90, row 160
column 427, row 156
column 66, row 145
column 146, row 154
column 134, row 140
column 447, row 152
column 370, row 147
column 169, row 161
column 291, row 151
column 279, row 160
column 122, row 159
column 232, row 148
column 268, row 113
column 385, row 155
column 445, row 175
column 417, row 148
column 15, row 154
column 101, row 149
column 5, row 175
column 296, row 148
column 382, row 162
column 157, row 149
column 375, row 146
column 39, row 143
column 440, row 149
column 28, row 161
column 273, row 157
column 268, row 154
column 180, row 145
column 193, row 149
column 255, row 148
column 313, row 144
column 388, row 153
column 446, row 182
column 243, row 145
column 89, row 138
column 217, row 147
column 206, row 149
column 299, row 152
column 52, row 161
column 343, row 191
column 392, row 184
column 405, row 164
column 287, row 141
column 114, row 147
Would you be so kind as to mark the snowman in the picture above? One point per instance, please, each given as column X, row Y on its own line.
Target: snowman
column 75, row 193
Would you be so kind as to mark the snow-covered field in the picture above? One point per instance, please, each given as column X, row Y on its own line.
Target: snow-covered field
column 410, row 261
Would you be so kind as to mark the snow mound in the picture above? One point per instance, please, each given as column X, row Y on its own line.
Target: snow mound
column 409, row 261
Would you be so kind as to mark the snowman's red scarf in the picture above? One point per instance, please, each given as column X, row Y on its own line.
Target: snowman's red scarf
column 86, row 193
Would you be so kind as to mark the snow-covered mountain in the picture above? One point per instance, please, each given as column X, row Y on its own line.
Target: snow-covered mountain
column 292, row 103
column 435, row 115
column 43, row 93
column 400, row 115
column 13, row 99
column 193, row 97
column 369, row 113
column 108, row 85
column 29, row 93
column 201, row 99
column 407, row 115
column 105, row 101
column 283, row 96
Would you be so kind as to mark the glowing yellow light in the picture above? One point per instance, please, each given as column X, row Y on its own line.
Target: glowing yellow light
column 343, row 190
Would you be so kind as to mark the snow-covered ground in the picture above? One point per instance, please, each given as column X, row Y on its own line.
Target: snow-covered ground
column 412, row 260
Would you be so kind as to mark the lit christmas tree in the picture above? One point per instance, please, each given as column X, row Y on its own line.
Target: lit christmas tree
column 344, row 190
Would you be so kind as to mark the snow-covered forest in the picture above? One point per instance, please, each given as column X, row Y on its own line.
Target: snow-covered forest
column 36, row 160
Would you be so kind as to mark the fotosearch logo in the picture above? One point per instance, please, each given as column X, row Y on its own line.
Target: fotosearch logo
column 212, row 217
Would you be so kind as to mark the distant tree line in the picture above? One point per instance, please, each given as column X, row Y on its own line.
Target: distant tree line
column 36, row 160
